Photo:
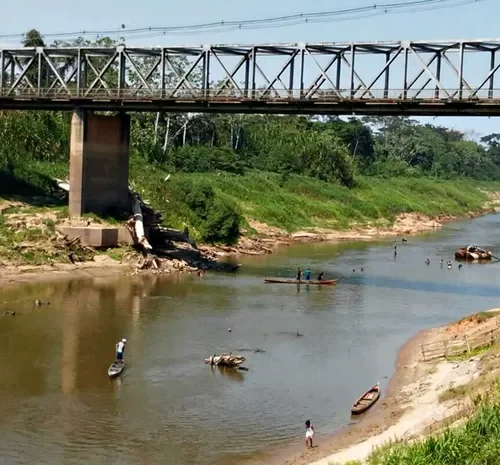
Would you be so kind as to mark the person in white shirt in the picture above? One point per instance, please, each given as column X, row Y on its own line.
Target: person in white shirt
column 309, row 433
column 120, row 349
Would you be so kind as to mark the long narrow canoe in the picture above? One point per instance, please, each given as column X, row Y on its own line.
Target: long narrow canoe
column 326, row 282
column 366, row 400
column 116, row 369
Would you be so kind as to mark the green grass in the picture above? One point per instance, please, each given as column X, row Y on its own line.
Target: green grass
column 300, row 202
column 477, row 441
column 486, row 347
column 289, row 203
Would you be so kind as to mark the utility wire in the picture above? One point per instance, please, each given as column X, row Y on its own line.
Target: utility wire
column 263, row 23
column 351, row 17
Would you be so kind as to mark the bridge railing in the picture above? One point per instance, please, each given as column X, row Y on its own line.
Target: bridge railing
column 236, row 95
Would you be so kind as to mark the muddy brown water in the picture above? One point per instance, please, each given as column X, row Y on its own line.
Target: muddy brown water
column 58, row 406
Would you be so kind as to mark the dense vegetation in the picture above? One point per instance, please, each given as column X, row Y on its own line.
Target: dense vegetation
column 245, row 158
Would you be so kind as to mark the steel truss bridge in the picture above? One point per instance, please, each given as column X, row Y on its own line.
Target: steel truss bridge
column 383, row 78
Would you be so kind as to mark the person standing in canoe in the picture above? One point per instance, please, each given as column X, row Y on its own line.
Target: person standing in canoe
column 299, row 274
column 320, row 276
column 307, row 274
column 120, row 349
column 309, row 433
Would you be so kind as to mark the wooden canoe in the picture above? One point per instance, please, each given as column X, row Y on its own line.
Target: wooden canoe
column 366, row 400
column 326, row 282
column 116, row 369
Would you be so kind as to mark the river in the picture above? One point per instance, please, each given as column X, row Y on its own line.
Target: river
column 58, row 406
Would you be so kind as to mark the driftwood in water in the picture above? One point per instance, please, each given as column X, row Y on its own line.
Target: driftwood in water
column 225, row 360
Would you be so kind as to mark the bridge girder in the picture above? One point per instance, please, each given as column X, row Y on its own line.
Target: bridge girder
column 407, row 77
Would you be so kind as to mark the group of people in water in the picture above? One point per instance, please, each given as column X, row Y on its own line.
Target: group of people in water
column 307, row 275
column 441, row 263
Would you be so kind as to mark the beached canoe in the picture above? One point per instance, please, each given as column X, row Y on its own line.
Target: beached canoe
column 326, row 282
column 116, row 369
column 366, row 400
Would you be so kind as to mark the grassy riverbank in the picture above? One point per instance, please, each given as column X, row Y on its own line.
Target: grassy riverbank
column 298, row 202
column 290, row 203
column 266, row 204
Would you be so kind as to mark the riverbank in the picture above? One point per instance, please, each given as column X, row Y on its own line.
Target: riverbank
column 422, row 397
column 275, row 212
column 404, row 225
column 183, row 259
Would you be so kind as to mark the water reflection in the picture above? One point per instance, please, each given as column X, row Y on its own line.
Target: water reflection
column 231, row 373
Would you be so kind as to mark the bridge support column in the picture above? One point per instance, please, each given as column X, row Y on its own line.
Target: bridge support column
column 99, row 162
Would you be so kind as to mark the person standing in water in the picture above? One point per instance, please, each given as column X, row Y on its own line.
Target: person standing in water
column 309, row 433
column 307, row 274
column 299, row 274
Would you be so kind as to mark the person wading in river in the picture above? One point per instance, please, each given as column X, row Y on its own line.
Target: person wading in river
column 309, row 433
column 120, row 349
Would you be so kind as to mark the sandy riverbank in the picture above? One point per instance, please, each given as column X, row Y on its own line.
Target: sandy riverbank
column 413, row 404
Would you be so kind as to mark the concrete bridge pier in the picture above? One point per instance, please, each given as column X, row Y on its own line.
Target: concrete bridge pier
column 99, row 163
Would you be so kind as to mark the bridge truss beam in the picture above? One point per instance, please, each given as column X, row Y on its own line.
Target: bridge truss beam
column 420, row 78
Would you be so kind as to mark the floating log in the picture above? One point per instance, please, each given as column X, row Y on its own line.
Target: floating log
column 225, row 360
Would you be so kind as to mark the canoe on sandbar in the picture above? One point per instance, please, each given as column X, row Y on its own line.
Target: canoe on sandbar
column 326, row 282
column 366, row 400
column 116, row 369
